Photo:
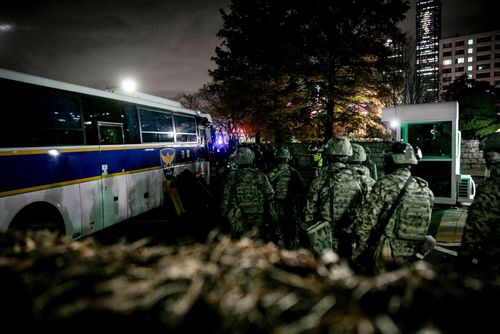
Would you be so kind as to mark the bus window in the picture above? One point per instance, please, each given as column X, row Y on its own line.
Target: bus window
column 59, row 122
column 110, row 133
column 156, row 126
column 132, row 133
column 99, row 110
column 41, row 117
column 185, row 129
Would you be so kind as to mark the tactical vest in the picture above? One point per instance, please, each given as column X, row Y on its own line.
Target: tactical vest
column 248, row 192
column 340, row 194
column 414, row 212
column 280, row 182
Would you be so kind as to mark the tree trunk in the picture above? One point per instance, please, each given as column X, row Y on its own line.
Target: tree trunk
column 329, row 120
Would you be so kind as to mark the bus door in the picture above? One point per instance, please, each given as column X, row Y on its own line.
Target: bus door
column 114, row 179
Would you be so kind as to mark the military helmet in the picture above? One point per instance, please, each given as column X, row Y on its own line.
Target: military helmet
column 244, row 156
column 282, row 153
column 338, row 146
column 358, row 153
column 490, row 142
column 402, row 154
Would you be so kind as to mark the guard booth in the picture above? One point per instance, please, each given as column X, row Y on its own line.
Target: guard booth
column 433, row 128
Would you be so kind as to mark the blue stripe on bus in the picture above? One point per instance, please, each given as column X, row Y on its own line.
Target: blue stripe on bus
column 31, row 170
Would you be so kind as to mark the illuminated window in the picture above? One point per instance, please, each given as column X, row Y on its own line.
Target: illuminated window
column 470, row 59
column 470, row 42
column 459, row 61
column 483, row 67
column 469, row 68
column 447, row 62
column 470, row 50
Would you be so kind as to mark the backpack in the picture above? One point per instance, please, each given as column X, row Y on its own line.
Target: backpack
column 413, row 215
column 345, row 194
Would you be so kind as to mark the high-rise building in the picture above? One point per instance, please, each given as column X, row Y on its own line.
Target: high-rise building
column 476, row 55
column 428, row 34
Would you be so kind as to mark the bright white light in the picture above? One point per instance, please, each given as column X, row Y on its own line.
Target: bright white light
column 4, row 27
column 394, row 123
column 54, row 153
column 129, row 85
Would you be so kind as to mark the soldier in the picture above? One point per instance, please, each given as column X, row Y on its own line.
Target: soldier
column 316, row 153
column 334, row 195
column 360, row 171
column 289, row 190
column 395, row 217
column 248, row 199
column 481, row 237
column 372, row 167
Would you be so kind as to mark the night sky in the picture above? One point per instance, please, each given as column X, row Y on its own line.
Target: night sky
column 165, row 45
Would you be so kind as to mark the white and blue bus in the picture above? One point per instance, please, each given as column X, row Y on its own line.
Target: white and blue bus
column 77, row 159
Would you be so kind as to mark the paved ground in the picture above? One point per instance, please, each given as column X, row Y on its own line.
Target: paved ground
column 156, row 225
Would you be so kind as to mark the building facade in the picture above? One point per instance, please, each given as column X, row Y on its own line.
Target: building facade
column 428, row 34
column 475, row 55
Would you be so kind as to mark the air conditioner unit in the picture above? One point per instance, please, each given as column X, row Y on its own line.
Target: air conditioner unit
column 466, row 189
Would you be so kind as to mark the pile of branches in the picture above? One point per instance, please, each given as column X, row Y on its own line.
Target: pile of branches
column 225, row 286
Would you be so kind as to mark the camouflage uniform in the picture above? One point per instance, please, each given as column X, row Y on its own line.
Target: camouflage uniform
column 334, row 195
column 391, row 248
column 249, row 190
column 481, row 237
column 361, row 172
column 289, row 189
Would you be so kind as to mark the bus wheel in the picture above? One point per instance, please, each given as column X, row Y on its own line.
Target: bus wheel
column 39, row 216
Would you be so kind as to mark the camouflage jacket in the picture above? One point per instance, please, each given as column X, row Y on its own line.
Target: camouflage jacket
column 249, row 190
column 287, row 182
column 362, row 173
column 481, row 237
column 289, row 190
column 333, row 195
column 383, row 194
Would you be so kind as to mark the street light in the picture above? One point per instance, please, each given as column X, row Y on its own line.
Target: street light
column 129, row 85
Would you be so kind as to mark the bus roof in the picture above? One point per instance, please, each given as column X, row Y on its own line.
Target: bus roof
column 132, row 97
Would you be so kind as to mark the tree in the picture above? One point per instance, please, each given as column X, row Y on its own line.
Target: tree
column 477, row 101
column 210, row 100
column 275, row 55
